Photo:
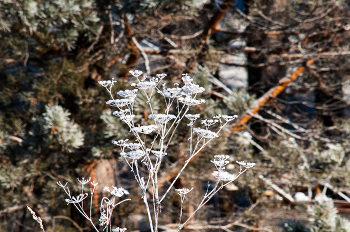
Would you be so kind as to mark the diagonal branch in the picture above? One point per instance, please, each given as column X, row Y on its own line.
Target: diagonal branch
column 268, row 97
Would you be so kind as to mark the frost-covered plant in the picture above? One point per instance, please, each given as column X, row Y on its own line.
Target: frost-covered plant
column 160, row 130
column 106, row 207
column 61, row 129
column 324, row 216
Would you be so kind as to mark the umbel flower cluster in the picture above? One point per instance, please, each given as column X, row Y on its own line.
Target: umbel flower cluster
column 160, row 131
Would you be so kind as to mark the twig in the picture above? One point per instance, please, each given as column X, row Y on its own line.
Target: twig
column 148, row 70
column 96, row 40
column 12, row 209
column 267, row 97
column 277, row 189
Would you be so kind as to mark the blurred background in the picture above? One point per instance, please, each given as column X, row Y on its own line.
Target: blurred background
column 281, row 65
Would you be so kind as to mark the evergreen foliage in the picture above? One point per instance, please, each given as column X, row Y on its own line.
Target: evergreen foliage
column 54, row 124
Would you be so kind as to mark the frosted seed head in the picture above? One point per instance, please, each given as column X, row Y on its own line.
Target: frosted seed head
column 128, row 93
column 205, row 133
column 183, row 191
column 134, row 155
column 136, row 73
column 223, row 175
column 186, row 79
column 119, row 192
column 119, row 229
column 228, row 118
column 120, row 142
column 192, row 89
column 161, row 118
column 144, row 129
column 132, row 146
column 144, row 85
column 120, row 102
column 190, row 101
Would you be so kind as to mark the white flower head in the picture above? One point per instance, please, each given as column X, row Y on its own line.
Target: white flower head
column 134, row 155
column 128, row 93
column 161, row 76
column 190, row 101
column 190, row 89
column 209, row 122
column 122, row 115
column 108, row 83
column 162, row 118
column 83, row 181
column 119, row 229
column 93, row 183
column 223, row 175
column 119, row 192
column 103, row 219
column 192, row 117
column 228, row 118
column 220, row 161
column 136, row 73
column 205, row 133
column 186, row 79
column 145, row 129
column 144, row 84
column 170, row 92
column 183, row 191
column 132, row 146
column 246, row 165
column 120, row 142
column 77, row 199
column 120, row 102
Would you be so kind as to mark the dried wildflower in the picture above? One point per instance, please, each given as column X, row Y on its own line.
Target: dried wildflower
column 183, row 191
column 186, row 79
column 137, row 154
column 118, row 192
column 120, row 102
column 78, row 199
column 192, row 117
column 103, row 219
column 144, row 129
column 120, row 142
column 209, row 122
column 246, row 165
column 205, row 133
column 162, row 118
column 83, row 181
column 190, row 101
column 119, row 229
column 128, row 93
column 93, row 183
column 220, row 161
column 132, row 146
column 107, row 83
column 144, row 84
column 192, row 89
column 224, row 176
column 122, row 115
column 136, row 73
column 170, row 92
column 228, row 118
column 162, row 75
